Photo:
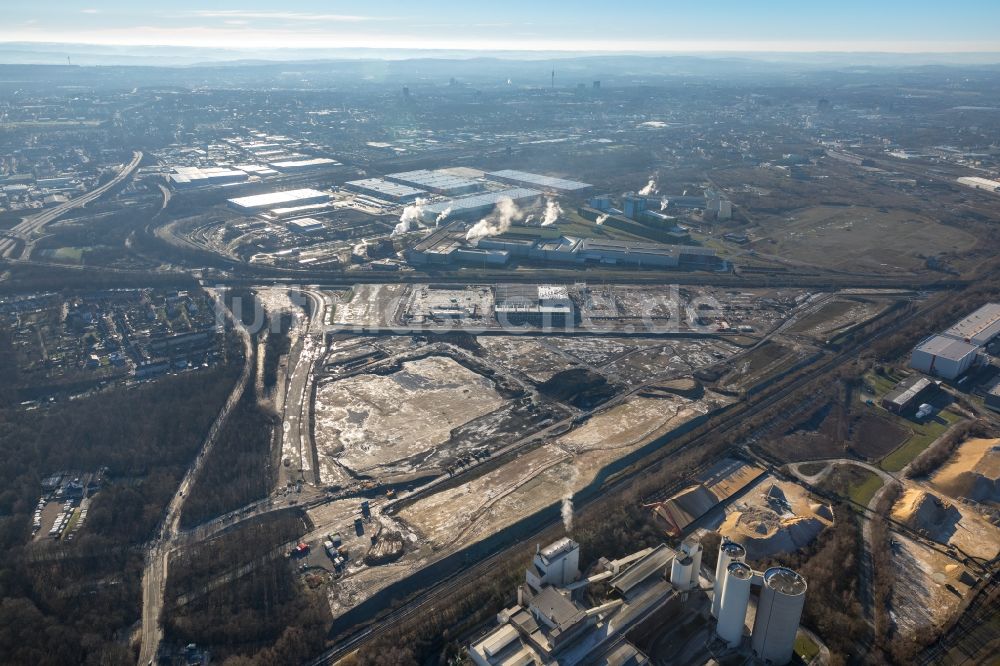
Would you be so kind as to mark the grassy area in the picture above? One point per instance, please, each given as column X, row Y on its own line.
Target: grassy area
column 852, row 481
column 812, row 468
column 862, row 492
column 805, row 648
column 881, row 384
column 923, row 435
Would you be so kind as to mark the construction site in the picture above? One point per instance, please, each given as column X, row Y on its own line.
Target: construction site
column 458, row 433
column 436, row 432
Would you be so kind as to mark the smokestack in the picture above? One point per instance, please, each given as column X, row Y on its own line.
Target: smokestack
column 553, row 78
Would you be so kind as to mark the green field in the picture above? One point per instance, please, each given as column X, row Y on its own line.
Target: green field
column 923, row 435
column 70, row 254
column 852, row 481
column 880, row 383
column 862, row 492
column 805, row 648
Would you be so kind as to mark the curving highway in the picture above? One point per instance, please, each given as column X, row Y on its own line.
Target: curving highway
column 30, row 226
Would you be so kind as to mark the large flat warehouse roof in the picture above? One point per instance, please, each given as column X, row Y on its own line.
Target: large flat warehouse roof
column 275, row 199
column 388, row 188
column 980, row 327
column 436, row 181
column 484, row 200
column 304, row 164
column 537, row 180
column 946, row 348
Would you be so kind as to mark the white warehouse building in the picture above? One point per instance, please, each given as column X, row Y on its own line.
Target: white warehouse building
column 980, row 328
column 258, row 202
column 944, row 357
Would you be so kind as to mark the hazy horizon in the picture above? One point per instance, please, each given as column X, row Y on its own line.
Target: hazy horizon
column 80, row 53
column 634, row 27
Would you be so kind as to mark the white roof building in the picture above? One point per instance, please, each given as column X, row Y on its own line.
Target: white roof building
column 286, row 198
column 979, row 328
column 943, row 357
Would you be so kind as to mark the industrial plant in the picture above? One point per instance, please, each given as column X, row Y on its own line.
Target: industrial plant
column 558, row 620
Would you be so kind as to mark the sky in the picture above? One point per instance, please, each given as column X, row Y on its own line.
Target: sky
column 654, row 26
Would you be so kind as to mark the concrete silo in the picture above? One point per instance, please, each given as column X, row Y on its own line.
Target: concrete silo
column 693, row 550
column 680, row 571
column 782, row 596
column 686, row 568
column 729, row 551
column 735, row 595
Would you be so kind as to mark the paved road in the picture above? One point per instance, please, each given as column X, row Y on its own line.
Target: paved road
column 297, row 406
column 35, row 223
column 154, row 579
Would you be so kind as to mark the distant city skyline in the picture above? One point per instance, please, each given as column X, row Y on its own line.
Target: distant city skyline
column 918, row 26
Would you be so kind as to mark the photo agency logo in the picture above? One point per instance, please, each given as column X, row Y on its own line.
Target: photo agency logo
column 525, row 309
column 245, row 309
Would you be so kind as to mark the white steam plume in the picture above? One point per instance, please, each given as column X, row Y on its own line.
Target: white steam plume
column 443, row 216
column 497, row 223
column 664, row 202
column 601, row 219
column 409, row 218
column 528, row 220
column 567, row 513
column 649, row 189
column 552, row 212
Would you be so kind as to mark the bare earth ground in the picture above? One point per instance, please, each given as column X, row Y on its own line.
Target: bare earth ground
column 478, row 508
column 836, row 315
column 857, row 238
column 920, row 599
column 542, row 477
column 533, row 357
column 373, row 424
column 371, row 305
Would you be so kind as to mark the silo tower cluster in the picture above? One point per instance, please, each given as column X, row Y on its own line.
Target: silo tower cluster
column 779, row 607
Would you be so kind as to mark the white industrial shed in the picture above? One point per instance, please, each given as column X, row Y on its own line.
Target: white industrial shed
column 979, row 328
column 258, row 202
column 943, row 357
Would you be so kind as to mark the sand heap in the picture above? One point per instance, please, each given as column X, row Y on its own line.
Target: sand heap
column 925, row 511
column 821, row 510
column 973, row 472
column 764, row 533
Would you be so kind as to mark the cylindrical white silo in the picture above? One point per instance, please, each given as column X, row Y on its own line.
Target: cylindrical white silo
column 729, row 552
column 735, row 598
column 680, row 572
column 782, row 596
